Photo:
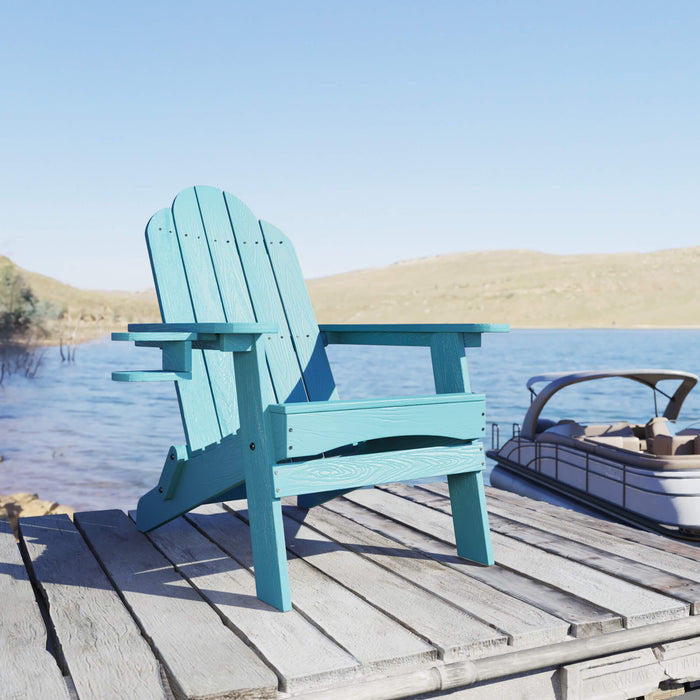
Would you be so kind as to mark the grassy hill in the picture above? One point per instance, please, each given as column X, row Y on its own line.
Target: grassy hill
column 521, row 287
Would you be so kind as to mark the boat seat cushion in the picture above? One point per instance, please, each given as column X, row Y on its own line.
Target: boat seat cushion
column 622, row 442
column 566, row 428
column 657, row 426
column 571, row 429
column 621, row 429
column 675, row 445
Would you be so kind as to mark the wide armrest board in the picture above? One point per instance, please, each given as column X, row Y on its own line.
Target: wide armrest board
column 406, row 334
column 219, row 328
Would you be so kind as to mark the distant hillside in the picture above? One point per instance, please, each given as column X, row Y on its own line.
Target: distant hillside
column 88, row 314
column 521, row 287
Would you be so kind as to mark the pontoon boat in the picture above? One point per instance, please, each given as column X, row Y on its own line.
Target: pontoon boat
column 647, row 473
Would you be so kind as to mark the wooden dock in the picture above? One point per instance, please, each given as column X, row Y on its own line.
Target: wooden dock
column 383, row 608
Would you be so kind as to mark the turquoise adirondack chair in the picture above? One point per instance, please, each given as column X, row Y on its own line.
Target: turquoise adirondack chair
column 259, row 406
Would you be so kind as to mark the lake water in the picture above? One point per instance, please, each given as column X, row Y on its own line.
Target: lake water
column 74, row 436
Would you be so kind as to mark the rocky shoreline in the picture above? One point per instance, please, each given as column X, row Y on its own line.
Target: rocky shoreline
column 25, row 505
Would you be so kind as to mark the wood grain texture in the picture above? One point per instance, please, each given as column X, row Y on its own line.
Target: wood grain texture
column 267, row 305
column 469, row 516
column 295, row 478
column 230, row 588
column 636, row 566
column 27, row 669
column 199, row 419
column 266, row 531
column 100, row 642
column 630, row 674
column 398, row 588
column 375, row 640
column 418, row 335
column 329, row 427
column 453, row 632
column 427, row 529
column 186, row 482
column 636, row 605
column 206, row 302
column 599, row 529
column 308, row 345
column 516, row 619
column 202, row 657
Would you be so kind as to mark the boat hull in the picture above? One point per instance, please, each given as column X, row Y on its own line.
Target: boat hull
column 650, row 491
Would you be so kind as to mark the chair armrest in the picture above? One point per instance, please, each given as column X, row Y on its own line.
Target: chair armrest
column 407, row 334
column 177, row 340
column 446, row 342
column 202, row 332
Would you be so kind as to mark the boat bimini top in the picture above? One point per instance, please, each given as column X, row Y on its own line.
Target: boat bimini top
column 648, row 377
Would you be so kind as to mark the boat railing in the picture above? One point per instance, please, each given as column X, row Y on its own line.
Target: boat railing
column 563, row 456
column 496, row 434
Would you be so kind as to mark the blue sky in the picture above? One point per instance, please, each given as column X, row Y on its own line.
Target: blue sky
column 370, row 132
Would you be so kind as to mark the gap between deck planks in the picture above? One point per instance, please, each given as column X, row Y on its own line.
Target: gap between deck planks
column 33, row 671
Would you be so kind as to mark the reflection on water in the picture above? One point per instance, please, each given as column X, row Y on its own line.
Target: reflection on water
column 74, row 436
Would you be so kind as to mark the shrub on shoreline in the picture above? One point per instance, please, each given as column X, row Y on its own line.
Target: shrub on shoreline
column 22, row 325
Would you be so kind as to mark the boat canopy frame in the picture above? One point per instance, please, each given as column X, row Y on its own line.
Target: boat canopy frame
column 648, row 377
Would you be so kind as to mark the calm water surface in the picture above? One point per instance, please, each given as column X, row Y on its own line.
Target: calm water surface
column 74, row 436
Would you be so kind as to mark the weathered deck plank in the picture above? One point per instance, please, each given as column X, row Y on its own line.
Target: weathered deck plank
column 584, row 618
column 203, row 658
column 374, row 639
column 677, row 564
column 27, row 669
column 453, row 631
column 633, row 570
column 636, row 605
column 230, row 588
column 102, row 647
column 524, row 624
column 617, row 531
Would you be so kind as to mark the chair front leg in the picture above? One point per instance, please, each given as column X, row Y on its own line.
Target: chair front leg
column 264, row 510
column 469, row 515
